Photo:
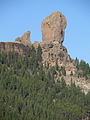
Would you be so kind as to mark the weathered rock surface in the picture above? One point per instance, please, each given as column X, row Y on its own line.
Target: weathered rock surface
column 21, row 45
column 53, row 27
column 35, row 44
column 14, row 46
column 53, row 51
column 81, row 82
column 24, row 39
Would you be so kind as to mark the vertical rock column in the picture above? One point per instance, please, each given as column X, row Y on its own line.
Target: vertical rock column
column 53, row 27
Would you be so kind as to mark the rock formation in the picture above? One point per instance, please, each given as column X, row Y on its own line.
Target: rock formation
column 14, row 46
column 24, row 39
column 53, row 27
column 53, row 51
column 21, row 45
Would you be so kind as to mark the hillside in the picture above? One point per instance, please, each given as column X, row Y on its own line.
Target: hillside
column 53, row 51
column 40, row 81
column 28, row 91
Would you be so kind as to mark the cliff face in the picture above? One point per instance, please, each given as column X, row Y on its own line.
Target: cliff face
column 14, row 46
column 53, row 51
column 21, row 45
column 53, row 29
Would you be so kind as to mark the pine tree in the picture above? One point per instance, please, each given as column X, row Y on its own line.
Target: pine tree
column 39, row 53
column 77, row 63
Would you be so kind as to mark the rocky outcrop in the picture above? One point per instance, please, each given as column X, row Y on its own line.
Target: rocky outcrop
column 81, row 82
column 24, row 39
column 53, row 51
column 21, row 45
column 53, row 27
column 14, row 46
column 35, row 44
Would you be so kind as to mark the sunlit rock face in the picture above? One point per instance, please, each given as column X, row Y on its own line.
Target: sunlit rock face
column 14, row 47
column 21, row 45
column 24, row 39
column 53, row 51
column 53, row 27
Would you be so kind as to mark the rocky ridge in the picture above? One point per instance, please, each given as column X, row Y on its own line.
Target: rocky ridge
column 53, row 51
column 21, row 45
column 53, row 29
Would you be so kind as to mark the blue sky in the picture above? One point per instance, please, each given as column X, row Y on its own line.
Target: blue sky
column 19, row 16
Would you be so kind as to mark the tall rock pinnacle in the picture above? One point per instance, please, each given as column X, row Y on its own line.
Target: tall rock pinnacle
column 53, row 27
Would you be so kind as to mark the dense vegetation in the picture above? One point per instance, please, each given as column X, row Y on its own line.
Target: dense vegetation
column 83, row 69
column 29, row 92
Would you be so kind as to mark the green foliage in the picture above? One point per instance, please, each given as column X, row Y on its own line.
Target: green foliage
column 29, row 92
column 83, row 69
column 63, row 71
column 39, row 53
column 77, row 63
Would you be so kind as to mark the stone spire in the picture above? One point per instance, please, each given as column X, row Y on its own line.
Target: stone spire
column 53, row 27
